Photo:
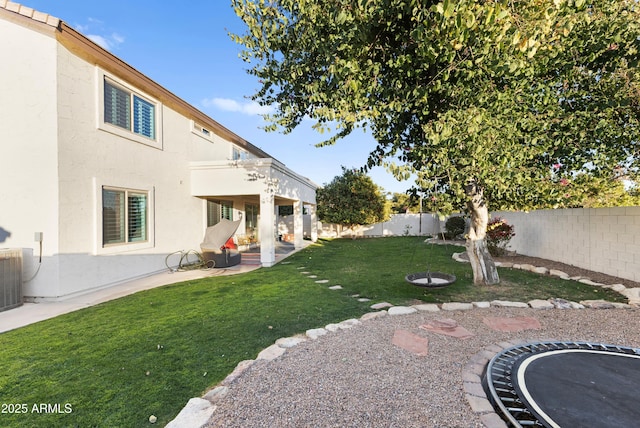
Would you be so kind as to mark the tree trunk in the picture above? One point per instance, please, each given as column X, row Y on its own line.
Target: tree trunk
column 484, row 268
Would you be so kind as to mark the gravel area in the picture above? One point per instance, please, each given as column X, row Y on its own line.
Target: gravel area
column 358, row 378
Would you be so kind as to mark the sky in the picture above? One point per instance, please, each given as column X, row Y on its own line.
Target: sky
column 185, row 47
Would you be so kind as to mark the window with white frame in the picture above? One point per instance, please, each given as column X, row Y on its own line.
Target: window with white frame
column 217, row 210
column 125, row 215
column 239, row 154
column 201, row 130
column 130, row 111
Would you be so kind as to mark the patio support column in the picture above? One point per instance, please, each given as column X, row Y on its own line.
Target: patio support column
column 267, row 225
column 298, row 224
column 314, row 223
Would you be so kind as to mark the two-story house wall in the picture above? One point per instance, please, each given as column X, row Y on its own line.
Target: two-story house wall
column 109, row 172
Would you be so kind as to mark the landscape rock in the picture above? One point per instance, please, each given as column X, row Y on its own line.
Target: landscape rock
column 373, row 315
column 633, row 294
column 240, row 368
column 314, row 333
column 459, row 258
column 560, row 303
column 618, row 287
column 335, row 287
column 401, row 310
column 271, row 353
column 348, row 323
column 332, row 327
column 427, row 307
column 290, row 342
column 216, row 393
column 541, row 270
column 482, row 305
column 381, row 305
column 541, row 304
column 559, row 273
column 195, row 414
column 597, row 304
column 456, row 306
column 508, row 304
column 588, row 282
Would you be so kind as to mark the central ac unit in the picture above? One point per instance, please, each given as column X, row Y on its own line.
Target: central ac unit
column 10, row 278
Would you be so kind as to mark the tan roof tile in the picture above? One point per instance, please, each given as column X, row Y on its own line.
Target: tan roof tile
column 29, row 13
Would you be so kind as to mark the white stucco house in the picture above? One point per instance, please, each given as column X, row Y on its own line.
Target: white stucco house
column 109, row 172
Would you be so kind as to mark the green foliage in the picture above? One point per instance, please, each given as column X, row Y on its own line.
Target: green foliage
column 351, row 199
column 402, row 203
column 105, row 360
column 494, row 91
column 454, row 227
column 149, row 353
column 499, row 233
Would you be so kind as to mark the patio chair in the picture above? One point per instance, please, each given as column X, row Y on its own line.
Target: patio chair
column 218, row 245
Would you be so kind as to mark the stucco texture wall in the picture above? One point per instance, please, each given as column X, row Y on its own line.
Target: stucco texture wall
column 605, row 240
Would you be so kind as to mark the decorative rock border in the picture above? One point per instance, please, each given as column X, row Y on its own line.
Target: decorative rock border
column 198, row 411
column 632, row 294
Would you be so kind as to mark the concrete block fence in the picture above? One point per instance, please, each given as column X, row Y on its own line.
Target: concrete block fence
column 605, row 240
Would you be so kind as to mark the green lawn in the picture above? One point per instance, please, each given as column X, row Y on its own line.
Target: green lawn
column 117, row 363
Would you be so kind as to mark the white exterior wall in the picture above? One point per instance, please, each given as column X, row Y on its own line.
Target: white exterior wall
column 58, row 154
column 604, row 240
column 398, row 225
column 28, row 149
column 91, row 158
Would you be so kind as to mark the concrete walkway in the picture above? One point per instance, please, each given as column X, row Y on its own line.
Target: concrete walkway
column 30, row 313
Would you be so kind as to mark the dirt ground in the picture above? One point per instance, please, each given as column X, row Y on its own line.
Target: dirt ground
column 570, row 270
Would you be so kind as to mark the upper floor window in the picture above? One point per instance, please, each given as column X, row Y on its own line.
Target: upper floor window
column 239, row 154
column 129, row 111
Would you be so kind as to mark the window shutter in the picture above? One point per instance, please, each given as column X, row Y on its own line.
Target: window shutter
column 113, row 220
column 144, row 117
column 117, row 106
column 137, row 217
column 227, row 210
column 213, row 213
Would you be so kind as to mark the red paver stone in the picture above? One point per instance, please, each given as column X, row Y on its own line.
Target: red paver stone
column 411, row 342
column 512, row 324
column 448, row 327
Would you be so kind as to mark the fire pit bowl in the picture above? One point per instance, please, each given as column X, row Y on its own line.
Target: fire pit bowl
column 430, row 279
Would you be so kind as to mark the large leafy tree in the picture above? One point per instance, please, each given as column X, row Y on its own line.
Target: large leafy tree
column 351, row 199
column 493, row 104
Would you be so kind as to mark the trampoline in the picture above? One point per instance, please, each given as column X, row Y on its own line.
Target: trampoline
column 565, row 384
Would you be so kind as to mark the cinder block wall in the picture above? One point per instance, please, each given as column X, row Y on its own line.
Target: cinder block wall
column 605, row 240
column 398, row 225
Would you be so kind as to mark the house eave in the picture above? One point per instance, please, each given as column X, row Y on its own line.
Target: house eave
column 91, row 52
column 255, row 176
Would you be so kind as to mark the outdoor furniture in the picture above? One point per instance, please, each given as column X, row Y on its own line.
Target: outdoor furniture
column 218, row 246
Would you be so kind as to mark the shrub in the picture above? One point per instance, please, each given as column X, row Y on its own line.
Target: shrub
column 499, row 233
column 454, row 227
